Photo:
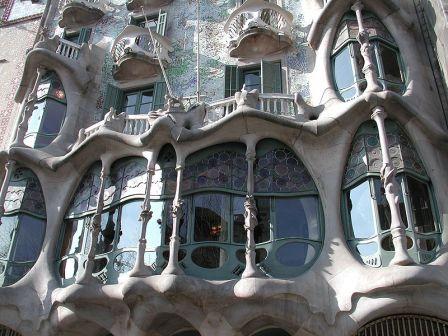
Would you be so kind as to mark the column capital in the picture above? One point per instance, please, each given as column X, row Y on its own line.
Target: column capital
column 250, row 156
column 179, row 167
column 378, row 112
column 357, row 6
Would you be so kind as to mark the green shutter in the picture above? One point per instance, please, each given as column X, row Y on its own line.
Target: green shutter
column 161, row 23
column 231, row 80
column 84, row 35
column 271, row 77
column 114, row 98
column 159, row 95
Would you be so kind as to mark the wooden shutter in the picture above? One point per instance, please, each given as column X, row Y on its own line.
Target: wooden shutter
column 271, row 77
column 161, row 23
column 231, row 80
column 84, row 35
column 114, row 98
column 159, row 95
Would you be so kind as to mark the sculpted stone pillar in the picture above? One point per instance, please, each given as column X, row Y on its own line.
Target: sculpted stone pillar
column 27, row 110
column 250, row 213
column 9, row 167
column 140, row 269
column 397, row 227
column 366, row 51
column 94, row 228
column 177, row 212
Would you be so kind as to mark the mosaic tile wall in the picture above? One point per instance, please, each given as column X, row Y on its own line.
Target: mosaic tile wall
column 181, row 30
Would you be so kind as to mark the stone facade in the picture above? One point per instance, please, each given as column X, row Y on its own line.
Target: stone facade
column 103, row 231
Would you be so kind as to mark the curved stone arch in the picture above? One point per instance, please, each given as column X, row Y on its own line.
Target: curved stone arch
column 168, row 324
column 265, row 322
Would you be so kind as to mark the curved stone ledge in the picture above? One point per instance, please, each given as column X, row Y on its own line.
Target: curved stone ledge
column 76, row 15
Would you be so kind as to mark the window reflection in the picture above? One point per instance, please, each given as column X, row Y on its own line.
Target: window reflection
column 360, row 207
column 210, row 217
column 295, row 217
column 107, row 231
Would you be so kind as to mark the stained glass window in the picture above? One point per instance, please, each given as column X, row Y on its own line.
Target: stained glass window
column 368, row 216
column 22, row 227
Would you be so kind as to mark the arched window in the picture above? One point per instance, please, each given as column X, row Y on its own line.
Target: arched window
column 116, row 248
column 289, row 232
column 288, row 235
column 22, row 227
column 366, row 211
column 49, row 112
column 5, row 331
column 347, row 61
column 271, row 332
column 405, row 325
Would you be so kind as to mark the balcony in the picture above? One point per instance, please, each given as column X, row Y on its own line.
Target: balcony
column 258, row 28
column 135, row 54
column 136, row 5
column 80, row 13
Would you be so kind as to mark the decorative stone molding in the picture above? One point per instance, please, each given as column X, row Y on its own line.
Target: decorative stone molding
column 246, row 98
column 81, row 13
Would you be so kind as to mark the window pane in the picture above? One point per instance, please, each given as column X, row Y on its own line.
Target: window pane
column 183, row 225
column 107, row 231
column 383, row 205
column 53, row 117
column 154, row 228
column 359, row 204
column 72, row 236
column 359, row 60
column 129, row 110
column 262, row 232
column 252, row 80
column 130, row 99
column 147, row 97
column 145, row 108
column 297, row 217
column 130, row 228
column 35, row 120
column 421, row 206
column 29, row 238
column 391, row 65
column 7, row 226
column 239, row 233
column 210, row 211
column 343, row 71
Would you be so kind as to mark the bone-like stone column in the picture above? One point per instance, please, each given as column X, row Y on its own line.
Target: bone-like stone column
column 366, row 51
column 397, row 227
column 250, row 212
column 27, row 110
column 9, row 167
column 94, row 227
column 177, row 212
column 140, row 269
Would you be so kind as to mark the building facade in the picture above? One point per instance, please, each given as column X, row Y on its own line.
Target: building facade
column 219, row 167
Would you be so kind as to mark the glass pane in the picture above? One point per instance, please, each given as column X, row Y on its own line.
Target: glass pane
column 53, row 117
column 34, row 124
column 348, row 94
column 183, row 225
column 130, row 228
column 147, row 97
column 297, row 217
column 7, row 226
column 359, row 203
column 145, row 108
column 367, row 249
column 262, row 232
column 295, row 254
column 107, row 231
column 209, row 257
column 343, row 71
column 210, row 211
column 72, row 236
column 130, row 110
column 421, row 206
column 239, row 233
column 125, row 261
column 67, row 268
column 154, row 228
column 130, row 99
column 390, row 63
column 383, row 205
column 29, row 238
column 252, row 80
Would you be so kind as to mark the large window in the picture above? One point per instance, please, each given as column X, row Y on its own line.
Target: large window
column 266, row 77
column 116, row 248
column 22, row 227
column 347, row 61
column 367, row 213
column 49, row 112
column 212, row 234
column 138, row 102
